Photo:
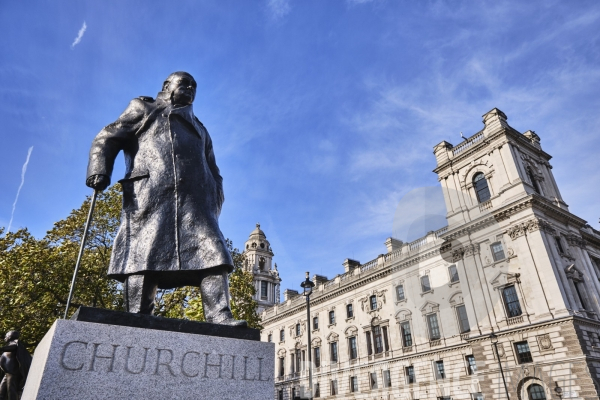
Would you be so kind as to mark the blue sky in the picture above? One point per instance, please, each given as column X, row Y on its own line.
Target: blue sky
column 323, row 114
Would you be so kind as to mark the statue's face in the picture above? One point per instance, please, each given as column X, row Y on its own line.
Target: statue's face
column 183, row 90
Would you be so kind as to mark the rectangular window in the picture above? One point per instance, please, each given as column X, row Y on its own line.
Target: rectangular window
column 409, row 373
column 373, row 380
column 334, row 351
column 293, row 364
column 353, row 384
column 463, row 320
column 453, row 274
column 373, row 302
column 387, row 378
column 317, row 353
column 281, row 366
column 317, row 390
column 385, row 339
column 511, row 301
column 293, row 393
column 434, row 328
column 264, row 289
column 406, row 334
column 282, row 335
column 471, row 365
column 559, row 244
column 523, row 353
column 497, row 251
column 439, row 370
column 378, row 340
column 369, row 347
column 333, row 387
column 580, row 295
column 298, row 361
column 270, row 337
column 352, row 347
column 297, row 329
column 425, row 286
column 280, row 395
column 315, row 322
column 477, row 396
column 400, row 292
column 349, row 311
column 331, row 317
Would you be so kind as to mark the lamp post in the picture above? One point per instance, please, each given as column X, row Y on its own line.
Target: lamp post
column 494, row 340
column 307, row 287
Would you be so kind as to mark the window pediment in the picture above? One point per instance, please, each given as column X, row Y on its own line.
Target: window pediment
column 403, row 315
column 503, row 279
column 429, row 307
column 332, row 337
column 456, row 298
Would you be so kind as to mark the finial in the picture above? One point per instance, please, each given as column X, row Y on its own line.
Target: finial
column 307, row 274
column 258, row 225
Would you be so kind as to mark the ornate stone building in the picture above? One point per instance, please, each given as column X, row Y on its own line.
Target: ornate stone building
column 513, row 270
column 259, row 261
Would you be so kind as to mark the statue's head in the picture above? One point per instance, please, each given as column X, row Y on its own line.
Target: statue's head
column 180, row 88
column 12, row 335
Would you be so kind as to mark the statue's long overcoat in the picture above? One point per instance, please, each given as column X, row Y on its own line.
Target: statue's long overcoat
column 172, row 190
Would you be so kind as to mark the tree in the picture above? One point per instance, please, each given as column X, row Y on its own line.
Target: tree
column 35, row 274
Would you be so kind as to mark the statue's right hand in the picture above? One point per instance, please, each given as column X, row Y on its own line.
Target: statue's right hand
column 98, row 182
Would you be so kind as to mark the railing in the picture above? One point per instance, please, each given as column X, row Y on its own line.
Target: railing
column 464, row 336
column 393, row 255
column 435, row 342
column 370, row 265
column 418, row 243
column 515, row 320
column 468, row 143
column 346, row 276
column 329, row 283
column 440, row 232
column 486, row 205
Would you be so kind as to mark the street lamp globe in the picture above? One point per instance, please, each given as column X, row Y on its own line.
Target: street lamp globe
column 307, row 285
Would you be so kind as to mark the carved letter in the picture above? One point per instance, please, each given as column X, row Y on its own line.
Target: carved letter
column 165, row 363
column 143, row 364
column 111, row 357
column 232, row 366
column 64, row 352
column 183, row 362
column 260, row 371
column 206, row 365
column 245, row 370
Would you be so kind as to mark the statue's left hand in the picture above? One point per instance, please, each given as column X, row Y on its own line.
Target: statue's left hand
column 98, row 182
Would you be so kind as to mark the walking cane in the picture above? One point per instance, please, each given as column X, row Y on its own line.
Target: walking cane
column 83, row 239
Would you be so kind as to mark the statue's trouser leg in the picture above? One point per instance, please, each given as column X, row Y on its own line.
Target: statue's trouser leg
column 3, row 388
column 140, row 292
column 11, row 387
column 215, row 297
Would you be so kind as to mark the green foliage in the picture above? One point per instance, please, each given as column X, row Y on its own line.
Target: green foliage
column 35, row 274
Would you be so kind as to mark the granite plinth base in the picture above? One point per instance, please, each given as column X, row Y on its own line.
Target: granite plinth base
column 86, row 360
column 102, row 316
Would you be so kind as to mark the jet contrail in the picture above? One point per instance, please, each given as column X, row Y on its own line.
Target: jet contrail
column 20, row 187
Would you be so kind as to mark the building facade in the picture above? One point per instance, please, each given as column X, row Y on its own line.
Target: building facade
column 511, row 281
column 259, row 261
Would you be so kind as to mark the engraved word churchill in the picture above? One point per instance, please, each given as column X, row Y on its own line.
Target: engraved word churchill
column 82, row 356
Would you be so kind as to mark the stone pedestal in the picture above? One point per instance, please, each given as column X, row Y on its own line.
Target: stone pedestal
column 91, row 360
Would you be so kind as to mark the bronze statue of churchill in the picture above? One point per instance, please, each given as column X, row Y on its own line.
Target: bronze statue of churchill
column 172, row 196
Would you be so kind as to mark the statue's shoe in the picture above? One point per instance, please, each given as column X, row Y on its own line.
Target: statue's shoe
column 229, row 321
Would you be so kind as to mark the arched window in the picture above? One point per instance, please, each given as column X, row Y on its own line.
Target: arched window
column 481, row 187
column 536, row 392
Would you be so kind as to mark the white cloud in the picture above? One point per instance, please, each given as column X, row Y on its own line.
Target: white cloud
column 23, row 171
column 278, row 8
column 79, row 35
